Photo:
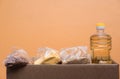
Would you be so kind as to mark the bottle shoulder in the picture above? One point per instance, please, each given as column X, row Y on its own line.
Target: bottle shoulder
column 103, row 35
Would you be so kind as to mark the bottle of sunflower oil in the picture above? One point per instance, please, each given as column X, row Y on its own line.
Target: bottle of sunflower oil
column 100, row 44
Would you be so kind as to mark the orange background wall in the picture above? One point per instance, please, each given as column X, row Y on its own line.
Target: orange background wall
column 31, row 24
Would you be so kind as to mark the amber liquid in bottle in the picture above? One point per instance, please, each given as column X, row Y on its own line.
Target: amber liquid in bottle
column 101, row 46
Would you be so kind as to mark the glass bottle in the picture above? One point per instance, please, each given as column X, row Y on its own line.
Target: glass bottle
column 100, row 44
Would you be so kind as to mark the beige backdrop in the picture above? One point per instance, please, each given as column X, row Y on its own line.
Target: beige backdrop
column 31, row 24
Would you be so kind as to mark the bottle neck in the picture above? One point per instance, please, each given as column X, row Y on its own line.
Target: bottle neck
column 100, row 31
